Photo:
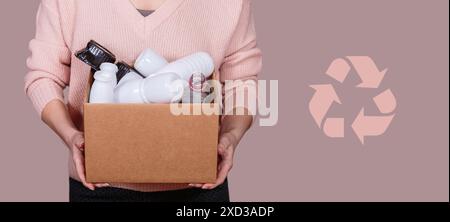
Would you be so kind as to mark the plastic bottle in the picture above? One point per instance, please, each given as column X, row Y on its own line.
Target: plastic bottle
column 126, row 73
column 200, row 62
column 95, row 54
column 164, row 88
column 149, row 62
column 102, row 90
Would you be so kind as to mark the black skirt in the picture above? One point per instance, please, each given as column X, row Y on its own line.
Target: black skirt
column 79, row 193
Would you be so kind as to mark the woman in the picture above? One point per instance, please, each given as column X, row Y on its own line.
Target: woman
column 174, row 28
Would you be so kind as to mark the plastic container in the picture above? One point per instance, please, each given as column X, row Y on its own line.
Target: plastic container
column 105, row 81
column 95, row 55
column 162, row 89
column 149, row 62
column 200, row 62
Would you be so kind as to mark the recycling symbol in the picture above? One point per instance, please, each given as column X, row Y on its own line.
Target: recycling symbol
column 363, row 125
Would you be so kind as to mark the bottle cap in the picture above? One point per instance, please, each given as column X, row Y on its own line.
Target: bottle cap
column 107, row 72
column 95, row 54
column 197, row 82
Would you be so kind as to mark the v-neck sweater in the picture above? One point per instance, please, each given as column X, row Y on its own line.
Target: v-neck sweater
column 224, row 29
column 145, row 13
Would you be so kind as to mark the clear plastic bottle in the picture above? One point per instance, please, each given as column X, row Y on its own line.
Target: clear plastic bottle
column 194, row 89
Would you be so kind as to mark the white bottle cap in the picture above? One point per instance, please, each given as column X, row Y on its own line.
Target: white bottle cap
column 149, row 62
column 107, row 72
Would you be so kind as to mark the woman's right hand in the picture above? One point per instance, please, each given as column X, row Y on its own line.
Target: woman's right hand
column 56, row 116
column 76, row 146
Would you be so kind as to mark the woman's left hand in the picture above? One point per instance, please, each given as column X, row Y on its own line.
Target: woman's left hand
column 227, row 145
column 232, row 130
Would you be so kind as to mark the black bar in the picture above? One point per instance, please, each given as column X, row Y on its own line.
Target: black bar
column 260, row 211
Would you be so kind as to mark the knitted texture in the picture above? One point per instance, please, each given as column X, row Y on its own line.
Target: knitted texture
column 223, row 28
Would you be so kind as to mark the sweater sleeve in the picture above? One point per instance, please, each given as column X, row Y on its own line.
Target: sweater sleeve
column 243, row 62
column 49, row 63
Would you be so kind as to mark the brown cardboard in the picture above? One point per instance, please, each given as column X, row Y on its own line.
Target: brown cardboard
column 146, row 143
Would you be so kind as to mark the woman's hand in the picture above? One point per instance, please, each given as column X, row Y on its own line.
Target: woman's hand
column 76, row 147
column 56, row 116
column 226, row 148
column 232, row 130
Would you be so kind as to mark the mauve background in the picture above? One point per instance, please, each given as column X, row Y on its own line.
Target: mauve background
column 292, row 161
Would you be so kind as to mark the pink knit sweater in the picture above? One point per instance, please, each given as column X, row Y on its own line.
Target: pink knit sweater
column 223, row 28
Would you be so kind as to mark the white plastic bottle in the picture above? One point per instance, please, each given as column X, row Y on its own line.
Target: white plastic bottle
column 200, row 62
column 126, row 73
column 149, row 62
column 102, row 90
column 164, row 88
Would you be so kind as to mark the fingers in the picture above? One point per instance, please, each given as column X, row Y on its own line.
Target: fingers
column 196, row 185
column 224, row 143
column 225, row 150
column 223, row 170
column 79, row 165
column 79, row 142
column 221, row 177
column 102, row 185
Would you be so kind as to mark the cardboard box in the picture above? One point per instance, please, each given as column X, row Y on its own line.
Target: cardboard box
column 146, row 143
